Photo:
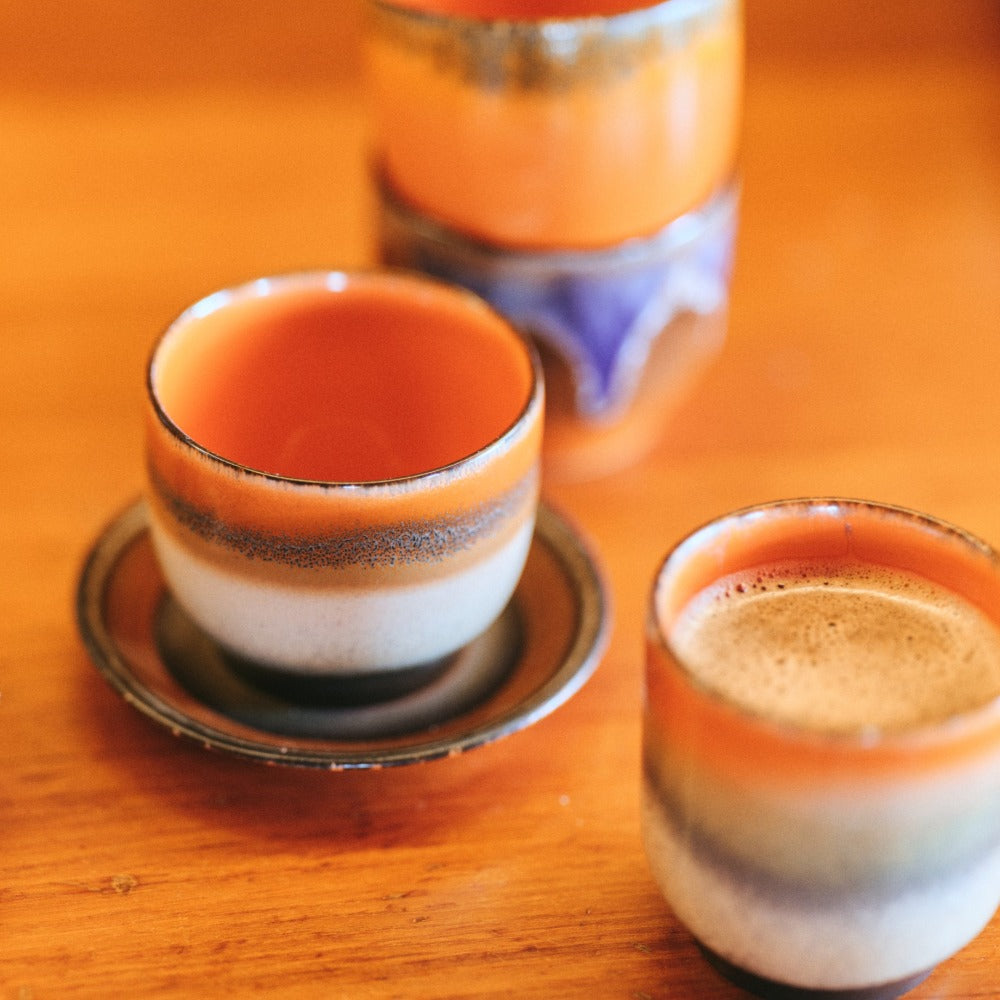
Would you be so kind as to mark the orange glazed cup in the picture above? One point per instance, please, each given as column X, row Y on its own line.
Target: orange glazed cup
column 821, row 750
column 343, row 469
column 555, row 124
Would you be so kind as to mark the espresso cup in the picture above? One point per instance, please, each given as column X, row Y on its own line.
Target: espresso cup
column 821, row 748
column 343, row 469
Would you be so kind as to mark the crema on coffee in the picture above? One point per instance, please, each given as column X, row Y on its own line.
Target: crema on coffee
column 840, row 646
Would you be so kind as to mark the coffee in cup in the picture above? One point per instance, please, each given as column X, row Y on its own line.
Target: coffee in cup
column 343, row 468
column 822, row 745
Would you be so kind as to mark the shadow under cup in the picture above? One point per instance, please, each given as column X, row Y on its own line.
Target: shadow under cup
column 814, row 852
column 343, row 473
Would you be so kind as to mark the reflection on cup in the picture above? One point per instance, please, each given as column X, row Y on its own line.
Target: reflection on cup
column 821, row 744
column 573, row 162
column 343, row 468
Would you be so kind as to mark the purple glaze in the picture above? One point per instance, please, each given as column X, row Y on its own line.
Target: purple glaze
column 768, row 989
column 600, row 310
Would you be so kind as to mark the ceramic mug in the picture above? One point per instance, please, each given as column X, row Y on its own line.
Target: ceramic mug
column 343, row 468
column 822, row 745
column 570, row 124
column 596, row 145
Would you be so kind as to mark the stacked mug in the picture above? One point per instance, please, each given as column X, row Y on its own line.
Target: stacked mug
column 573, row 162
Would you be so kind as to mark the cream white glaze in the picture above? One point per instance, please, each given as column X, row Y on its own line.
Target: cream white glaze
column 344, row 629
column 857, row 942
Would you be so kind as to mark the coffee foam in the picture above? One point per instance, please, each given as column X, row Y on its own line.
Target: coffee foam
column 342, row 629
column 840, row 647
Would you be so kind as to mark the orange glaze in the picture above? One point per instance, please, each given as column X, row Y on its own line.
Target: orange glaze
column 693, row 723
column 864, row 533
column 579, row 166
column 371, row 383
column 489, row 353
column 262, row 504
column 524, row 9
column 714, row 736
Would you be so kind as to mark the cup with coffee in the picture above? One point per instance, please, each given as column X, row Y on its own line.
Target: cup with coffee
column 821, row 747
column 343, row 469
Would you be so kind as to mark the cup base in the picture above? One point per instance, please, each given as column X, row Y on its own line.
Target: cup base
column 355, row 707
column 770, row 989
column 346, row 690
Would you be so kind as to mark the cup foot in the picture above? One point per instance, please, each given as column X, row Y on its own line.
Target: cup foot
column 769, row 989
column 345, row 690
column 353, row 707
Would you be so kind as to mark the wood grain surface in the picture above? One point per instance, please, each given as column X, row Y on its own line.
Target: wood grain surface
column 150, row 153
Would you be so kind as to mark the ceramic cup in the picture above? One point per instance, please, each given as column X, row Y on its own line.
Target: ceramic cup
column 822, row 745
column 555, row 124
column 343, row 469
column 573, row 162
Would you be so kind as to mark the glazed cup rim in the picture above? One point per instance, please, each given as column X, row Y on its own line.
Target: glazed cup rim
column 337, row 280
column 942, row 731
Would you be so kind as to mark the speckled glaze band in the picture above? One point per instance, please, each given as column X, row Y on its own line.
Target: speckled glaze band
column 565, row 132
column 324, row 578
column 401, row 549
column 811, row 865
column 547, row 54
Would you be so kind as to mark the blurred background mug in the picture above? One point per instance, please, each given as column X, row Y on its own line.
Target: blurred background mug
column 574, row 162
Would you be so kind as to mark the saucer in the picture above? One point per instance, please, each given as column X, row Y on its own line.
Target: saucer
column 536, row 656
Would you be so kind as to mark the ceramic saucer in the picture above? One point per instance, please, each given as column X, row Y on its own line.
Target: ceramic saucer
column 538, row 654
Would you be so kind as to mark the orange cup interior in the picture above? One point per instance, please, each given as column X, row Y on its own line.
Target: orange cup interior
column 373, row 378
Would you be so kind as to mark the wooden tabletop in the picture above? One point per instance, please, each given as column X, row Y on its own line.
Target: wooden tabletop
column 150, row 153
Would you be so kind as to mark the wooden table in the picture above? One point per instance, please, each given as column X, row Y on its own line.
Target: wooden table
column 151, row 153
